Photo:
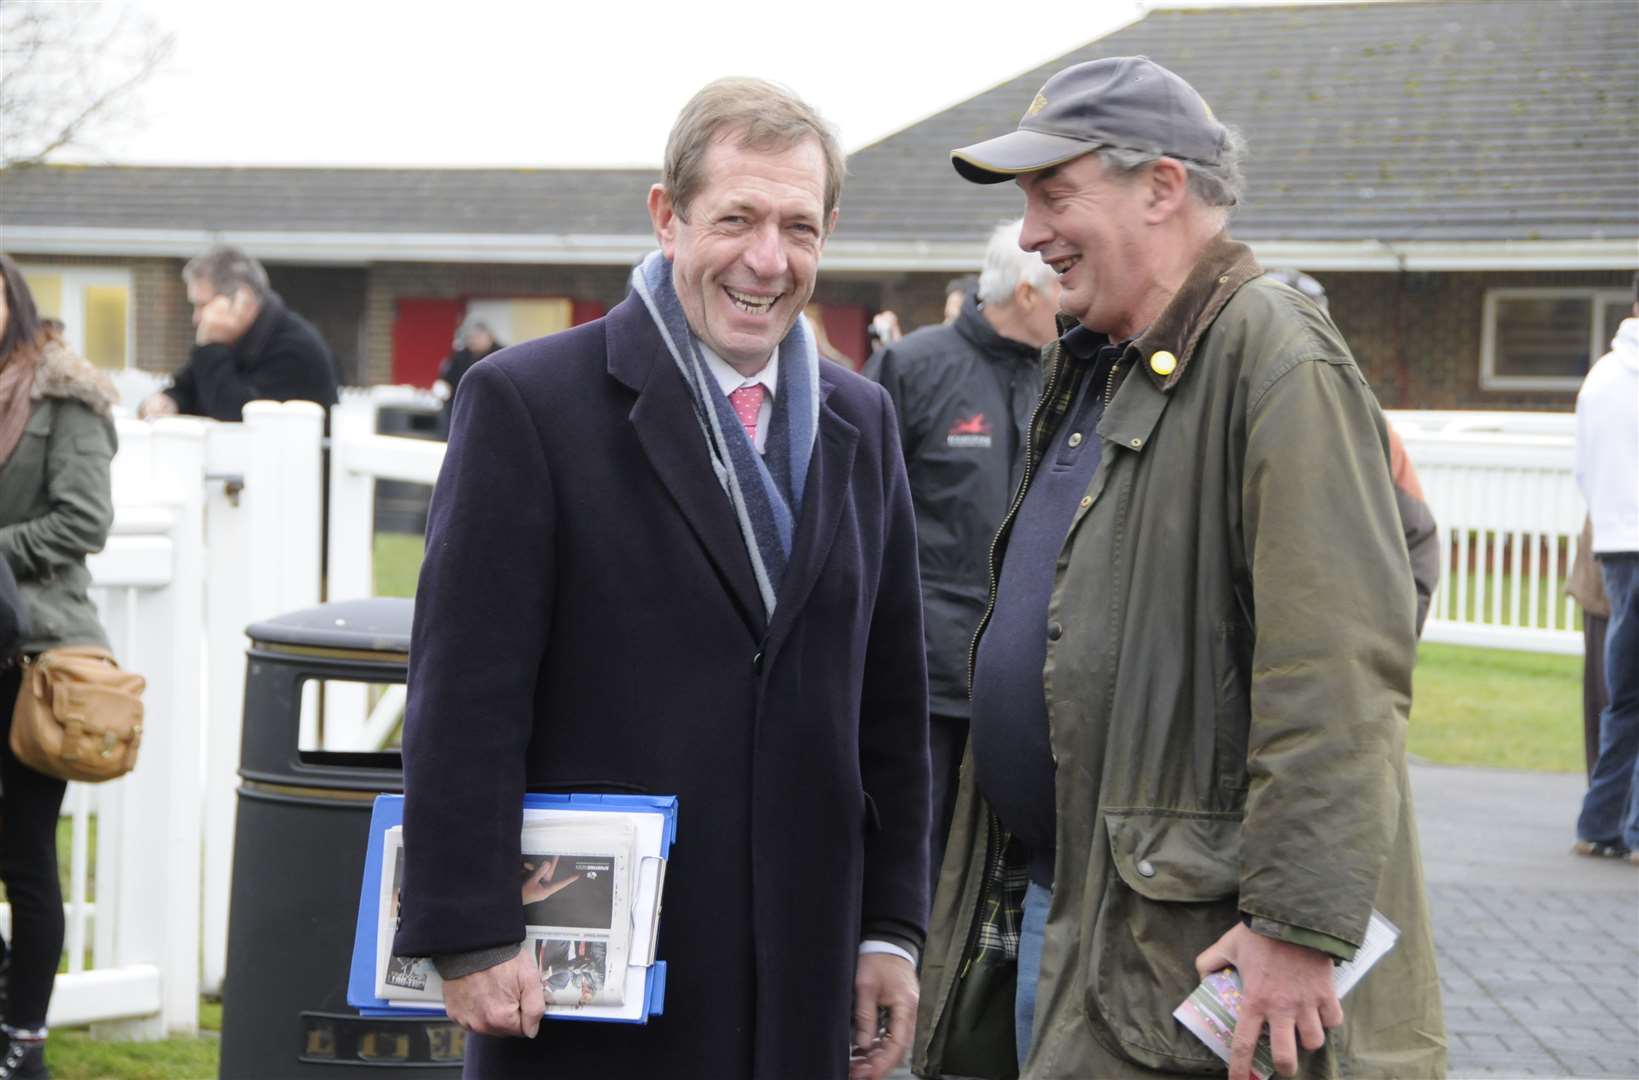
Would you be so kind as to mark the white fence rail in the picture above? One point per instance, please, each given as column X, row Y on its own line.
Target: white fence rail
column 219, row 525
column 1506, row 501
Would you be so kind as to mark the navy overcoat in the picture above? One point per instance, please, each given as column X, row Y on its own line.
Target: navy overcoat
column 587, row 619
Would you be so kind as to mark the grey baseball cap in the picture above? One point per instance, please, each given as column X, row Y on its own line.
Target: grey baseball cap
column 1126, row 101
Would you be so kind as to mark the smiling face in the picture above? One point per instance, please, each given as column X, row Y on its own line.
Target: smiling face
column 1090, row 228
column 745, row 259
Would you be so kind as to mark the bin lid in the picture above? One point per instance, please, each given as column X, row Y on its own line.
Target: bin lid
column 379, row 624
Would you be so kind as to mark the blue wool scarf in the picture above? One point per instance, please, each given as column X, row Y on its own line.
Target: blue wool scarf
column 765, row 489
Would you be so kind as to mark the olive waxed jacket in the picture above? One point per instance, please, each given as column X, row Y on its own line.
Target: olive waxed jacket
column 1228, row 679
column 55, row 500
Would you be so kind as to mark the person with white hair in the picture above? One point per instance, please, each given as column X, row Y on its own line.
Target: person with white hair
column 964, row 391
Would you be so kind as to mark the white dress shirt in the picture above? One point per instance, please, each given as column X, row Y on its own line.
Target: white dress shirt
column 730, row 380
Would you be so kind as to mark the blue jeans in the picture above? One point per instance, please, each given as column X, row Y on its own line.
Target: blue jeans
column 1032, row 932
column 1610, row 812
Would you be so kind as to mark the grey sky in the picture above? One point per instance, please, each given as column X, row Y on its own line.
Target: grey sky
column 482, row 82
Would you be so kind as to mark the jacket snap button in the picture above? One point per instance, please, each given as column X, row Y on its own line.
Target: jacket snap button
column 1075, row 440
column 1054, row 631
column 1136, row 443
column 1086, row 501
column 1146, row 868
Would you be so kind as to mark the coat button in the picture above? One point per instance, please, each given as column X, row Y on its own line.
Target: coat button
column 1075, row 440
column 757, row 663
column 1146, row 868
column 1054, row 631
column 1136, row 444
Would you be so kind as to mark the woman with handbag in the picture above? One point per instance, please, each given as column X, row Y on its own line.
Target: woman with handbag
column 56, row 441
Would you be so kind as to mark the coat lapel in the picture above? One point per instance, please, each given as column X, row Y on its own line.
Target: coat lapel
column 829, row 473
column 663, row 419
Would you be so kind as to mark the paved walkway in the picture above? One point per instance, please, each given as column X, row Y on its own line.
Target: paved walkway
column 1538, row 949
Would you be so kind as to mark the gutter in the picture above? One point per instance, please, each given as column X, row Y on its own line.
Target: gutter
column 841, row 256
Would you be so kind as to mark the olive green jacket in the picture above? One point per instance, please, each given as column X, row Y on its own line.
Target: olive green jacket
column 1228, row 678
column 55, row 502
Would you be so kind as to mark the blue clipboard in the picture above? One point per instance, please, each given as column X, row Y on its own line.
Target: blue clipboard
column 389, row 811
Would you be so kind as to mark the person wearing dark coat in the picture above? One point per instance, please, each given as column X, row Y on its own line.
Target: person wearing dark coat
column 473, row 341
column 672, row 551
column 248, row 346
column 964, row 392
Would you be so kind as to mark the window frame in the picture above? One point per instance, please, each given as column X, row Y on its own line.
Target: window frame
column 76, row 278
column 1598, row 336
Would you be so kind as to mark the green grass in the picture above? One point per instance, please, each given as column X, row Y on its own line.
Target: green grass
column 397, row 563
column 1491, row 707
column 72, row 1054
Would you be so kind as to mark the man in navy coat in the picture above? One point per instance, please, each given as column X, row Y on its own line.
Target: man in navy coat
column 672, row 551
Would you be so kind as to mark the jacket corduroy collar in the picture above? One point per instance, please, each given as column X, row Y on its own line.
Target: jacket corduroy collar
column 1224, row 266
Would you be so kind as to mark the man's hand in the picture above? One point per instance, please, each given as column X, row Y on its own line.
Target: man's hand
column 156, row 405
column 506, row 999
column 1282, row 985
column 882, row 981
column 225, row 319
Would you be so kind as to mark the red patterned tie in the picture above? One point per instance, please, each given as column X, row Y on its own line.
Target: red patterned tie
column 747, row 402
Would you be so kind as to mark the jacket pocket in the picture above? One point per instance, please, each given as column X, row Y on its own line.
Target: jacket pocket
column 1169, row 891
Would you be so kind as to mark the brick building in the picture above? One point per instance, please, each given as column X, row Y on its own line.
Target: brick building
column 1462, row 176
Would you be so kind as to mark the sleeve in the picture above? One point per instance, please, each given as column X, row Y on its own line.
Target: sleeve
column 1332, row 656
column 291, row 369
column 80, row 503
column 184, row 390
column 483, row 608
column 893, row 721
column 1417, row 523
column 890, row 373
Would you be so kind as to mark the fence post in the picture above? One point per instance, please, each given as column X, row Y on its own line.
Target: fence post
column 155, row 908
column 352, row 503
column 263, row 548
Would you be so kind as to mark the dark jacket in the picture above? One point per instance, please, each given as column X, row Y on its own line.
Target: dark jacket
column 280, row 358
column 964, row 394
column 587, row 619
column 1228, row 678
column 56, row 504
column 453, row 369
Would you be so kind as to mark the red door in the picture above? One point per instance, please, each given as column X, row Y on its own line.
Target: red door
column 423, row 331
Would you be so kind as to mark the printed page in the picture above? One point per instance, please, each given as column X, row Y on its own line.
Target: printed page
column 1212, row 1008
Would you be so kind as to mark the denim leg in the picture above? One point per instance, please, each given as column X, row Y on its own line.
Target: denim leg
column 1609, row 812
column 1032, row 931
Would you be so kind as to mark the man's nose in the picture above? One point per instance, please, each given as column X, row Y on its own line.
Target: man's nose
column 765, row 251
column 1034, row 235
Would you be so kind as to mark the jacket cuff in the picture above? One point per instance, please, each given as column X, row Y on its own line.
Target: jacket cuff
column 457, row 965
column 894, row 932
column 1336, row 948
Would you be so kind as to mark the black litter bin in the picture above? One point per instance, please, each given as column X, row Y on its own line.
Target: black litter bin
column 298, row 861
column 401, row 507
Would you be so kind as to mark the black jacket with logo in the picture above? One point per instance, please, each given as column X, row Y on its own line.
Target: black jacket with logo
column 964, row 395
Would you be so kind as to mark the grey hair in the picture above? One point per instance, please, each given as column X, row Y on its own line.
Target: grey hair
column 225, row 269
column 1220, row 186
column 758, row 115
column 1006, row 264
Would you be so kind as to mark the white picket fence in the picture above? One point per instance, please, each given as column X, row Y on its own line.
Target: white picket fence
column 219, row 525
column 1509, row 514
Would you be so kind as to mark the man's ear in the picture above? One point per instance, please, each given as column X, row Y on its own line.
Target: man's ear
column 663, row 216
column 1025, row 296
column 830, row 226
column 1168, row 187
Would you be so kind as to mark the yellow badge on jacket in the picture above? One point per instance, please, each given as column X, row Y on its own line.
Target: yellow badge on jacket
column 1163, row 363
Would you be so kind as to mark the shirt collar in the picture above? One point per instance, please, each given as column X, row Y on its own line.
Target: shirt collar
column 730, row 380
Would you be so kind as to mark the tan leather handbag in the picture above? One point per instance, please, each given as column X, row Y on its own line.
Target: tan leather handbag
column 78, row 715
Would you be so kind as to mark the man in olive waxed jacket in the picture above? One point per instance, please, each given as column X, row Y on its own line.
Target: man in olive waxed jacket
column 1190, row 694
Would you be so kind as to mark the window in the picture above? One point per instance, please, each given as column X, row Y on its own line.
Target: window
column 94, row 304
column 1546, row 339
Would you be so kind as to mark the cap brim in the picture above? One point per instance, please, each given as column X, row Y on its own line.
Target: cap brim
column 997, row 160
